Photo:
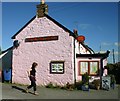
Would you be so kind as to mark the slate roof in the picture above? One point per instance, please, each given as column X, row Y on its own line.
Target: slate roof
column 7, row 49
column 96, row 55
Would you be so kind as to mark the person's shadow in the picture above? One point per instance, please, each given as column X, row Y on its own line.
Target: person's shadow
column 18, row 88
column 21, row 89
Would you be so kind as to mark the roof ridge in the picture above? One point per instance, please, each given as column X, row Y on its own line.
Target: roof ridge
column 56, row 22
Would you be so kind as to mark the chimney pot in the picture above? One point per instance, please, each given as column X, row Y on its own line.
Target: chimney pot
column 75, row 33
column 42, row 1
column 42, row 9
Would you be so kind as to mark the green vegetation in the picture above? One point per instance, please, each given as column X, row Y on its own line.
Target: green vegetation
column 114, row 69
column 97, row 84
column 51, row 85
column 0, row 50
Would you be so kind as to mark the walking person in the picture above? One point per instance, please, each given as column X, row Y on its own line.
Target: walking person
column 32, row 77
column 113, row 81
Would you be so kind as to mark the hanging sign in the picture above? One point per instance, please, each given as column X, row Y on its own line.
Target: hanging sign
column 80, row 38
column 46, row 38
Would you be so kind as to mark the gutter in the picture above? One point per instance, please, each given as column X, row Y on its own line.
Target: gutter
column 74, row 58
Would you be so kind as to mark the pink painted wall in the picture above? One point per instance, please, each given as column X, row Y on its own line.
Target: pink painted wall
column 43, row 52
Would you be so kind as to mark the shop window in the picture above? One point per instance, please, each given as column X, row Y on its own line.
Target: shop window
column 57, row 67
column 91, row 67
column 83, row 67
column 94, row 68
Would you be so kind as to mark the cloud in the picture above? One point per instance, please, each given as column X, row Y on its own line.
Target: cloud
column 99, row 28
column 116, row 53
column 84, row 26
column 117, row 44
column 110, row 44
column 106, row 44
column 89, row 26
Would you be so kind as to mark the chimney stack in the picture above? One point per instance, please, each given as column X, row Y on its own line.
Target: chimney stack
column 75, row 33
column 42, row 9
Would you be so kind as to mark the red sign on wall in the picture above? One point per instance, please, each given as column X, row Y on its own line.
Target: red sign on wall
column 81, row 38
column 46, row 38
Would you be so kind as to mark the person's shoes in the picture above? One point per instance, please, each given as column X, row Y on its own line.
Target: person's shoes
column 35, row 93
column 26, row 90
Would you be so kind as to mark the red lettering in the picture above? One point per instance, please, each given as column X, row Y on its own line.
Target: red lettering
column 47, row 38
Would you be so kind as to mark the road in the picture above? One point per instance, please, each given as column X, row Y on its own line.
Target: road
column 13, row 91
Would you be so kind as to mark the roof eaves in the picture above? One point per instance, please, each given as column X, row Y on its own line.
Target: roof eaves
column 96, row 55
column 88, row 48
column 60, row 25
column 7, row 49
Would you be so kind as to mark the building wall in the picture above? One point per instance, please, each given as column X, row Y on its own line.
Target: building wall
column 80, row 49
column 43, row 52
column 105, row 62
column 5, row 64
column 6, row 60
column 83, row 50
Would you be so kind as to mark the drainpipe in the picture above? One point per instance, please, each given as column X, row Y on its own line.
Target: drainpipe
column 74, row 65
column 101, row 71
column 74, row 58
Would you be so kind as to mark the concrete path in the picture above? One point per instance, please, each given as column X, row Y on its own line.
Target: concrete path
column 12, row 91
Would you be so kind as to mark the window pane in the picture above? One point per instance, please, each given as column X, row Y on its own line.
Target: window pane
column 83, row 67
column 57, row 67
column 93, row 68
column 60, row 67
column 54, row 66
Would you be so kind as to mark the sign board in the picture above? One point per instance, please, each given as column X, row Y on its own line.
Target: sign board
column 81, row 38
column 46, row 38
column 106, row 82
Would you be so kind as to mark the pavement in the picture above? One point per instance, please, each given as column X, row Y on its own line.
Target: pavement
column 14, row 91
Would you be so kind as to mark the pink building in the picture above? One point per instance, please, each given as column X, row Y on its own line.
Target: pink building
column 60, row 56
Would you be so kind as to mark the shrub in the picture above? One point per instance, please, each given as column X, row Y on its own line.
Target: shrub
column 69, row 86
column 85, row 78
column 50, row 85
column 114, row 69
column 97, row 83
column 57, row 86
column 79, row 85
